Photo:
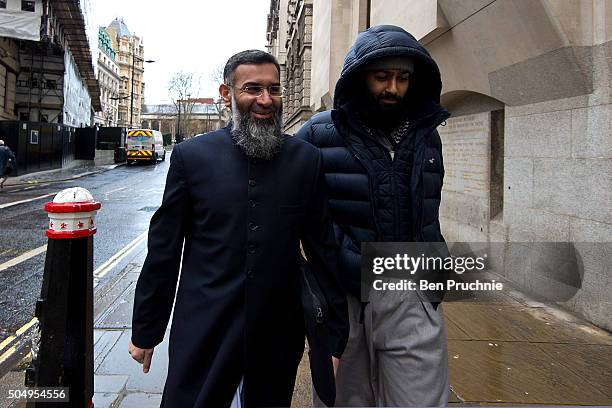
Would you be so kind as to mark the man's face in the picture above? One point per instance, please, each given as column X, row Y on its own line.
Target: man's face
column 260, row 107
column 256, row 114
column 388, row 87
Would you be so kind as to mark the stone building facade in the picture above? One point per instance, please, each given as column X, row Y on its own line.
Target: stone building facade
column 528, row 149
column 109, row 80
column 46, row 70
column 290, row 40
column 130, row 58
column 202, row 116
column 9, row 69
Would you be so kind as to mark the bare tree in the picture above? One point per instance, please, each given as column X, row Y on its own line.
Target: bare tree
column 223, row 113
column 181, row 87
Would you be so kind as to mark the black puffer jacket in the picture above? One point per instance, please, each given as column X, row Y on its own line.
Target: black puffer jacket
column 374, row 198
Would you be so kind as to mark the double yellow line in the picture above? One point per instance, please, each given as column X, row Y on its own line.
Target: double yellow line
column 8, row 347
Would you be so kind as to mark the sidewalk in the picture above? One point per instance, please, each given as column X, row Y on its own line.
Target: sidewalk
column 80, row 168
column 504, row 349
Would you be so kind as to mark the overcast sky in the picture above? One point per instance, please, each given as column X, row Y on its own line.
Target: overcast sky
column 187, row 35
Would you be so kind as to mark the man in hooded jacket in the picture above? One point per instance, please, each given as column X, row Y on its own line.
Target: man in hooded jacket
column 383, row 167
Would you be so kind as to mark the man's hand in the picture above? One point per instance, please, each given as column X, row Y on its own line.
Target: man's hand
column 143, row 356
column 335, row 364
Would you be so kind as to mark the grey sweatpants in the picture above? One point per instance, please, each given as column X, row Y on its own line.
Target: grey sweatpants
column 397, row 356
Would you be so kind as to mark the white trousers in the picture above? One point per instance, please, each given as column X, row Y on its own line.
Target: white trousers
column 237, row 401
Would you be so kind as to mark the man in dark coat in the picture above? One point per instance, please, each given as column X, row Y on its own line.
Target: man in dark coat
column 383, row 167
column 236, row 205
column 7, row 162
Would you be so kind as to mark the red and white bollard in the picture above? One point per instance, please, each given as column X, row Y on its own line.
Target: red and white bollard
column 64, row 356
column 72, row 214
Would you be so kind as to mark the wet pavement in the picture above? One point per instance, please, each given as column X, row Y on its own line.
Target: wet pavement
column 504, row 349
column 526, row 353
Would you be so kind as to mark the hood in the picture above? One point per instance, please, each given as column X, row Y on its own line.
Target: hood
column 383, row 41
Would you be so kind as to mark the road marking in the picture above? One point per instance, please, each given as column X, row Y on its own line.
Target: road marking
column 25, row 201
column 115, row 190
column 115, row 259
column 8, row 353
column 23, row 257
column 26, row 326
column 6, row 342
column 12, row 339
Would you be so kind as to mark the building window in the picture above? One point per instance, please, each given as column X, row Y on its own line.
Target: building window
column 34, row 137
column 28, row 5
column 2, row 3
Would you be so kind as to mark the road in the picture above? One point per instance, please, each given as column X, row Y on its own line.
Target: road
column 129, row 197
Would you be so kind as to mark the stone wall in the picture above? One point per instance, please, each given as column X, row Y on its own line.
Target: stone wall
column 466, row 193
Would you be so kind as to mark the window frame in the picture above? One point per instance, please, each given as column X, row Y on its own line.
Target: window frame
column 27, row 4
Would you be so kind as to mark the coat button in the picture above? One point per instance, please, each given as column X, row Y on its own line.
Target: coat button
column 252, row 183
column 250, row 274
column 253, row 227
column 252, row 203
column 252, row 249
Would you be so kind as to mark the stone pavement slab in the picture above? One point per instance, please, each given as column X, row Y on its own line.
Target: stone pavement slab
column 516, row 372
column 110, row 383
column 141, row 400
column 104, row 399
column 519, row 323
column 104, row 340
column 589, row 362
column 119, row 362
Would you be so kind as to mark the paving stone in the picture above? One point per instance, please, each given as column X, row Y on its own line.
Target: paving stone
column 516, row 373
column 109, row 383
column 119, row 362
column 141, row 400
column 453, row 331
column 302, row 391
column 119, row 313
column 480, row 323
column 511, row 323
column 104, row 399
column 104, row 340
column 592, row 363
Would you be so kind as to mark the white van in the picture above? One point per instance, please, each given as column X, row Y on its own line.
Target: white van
column 144, row 144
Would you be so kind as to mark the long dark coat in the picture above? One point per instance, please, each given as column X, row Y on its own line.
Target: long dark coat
column 237, row 311
column 5, row 154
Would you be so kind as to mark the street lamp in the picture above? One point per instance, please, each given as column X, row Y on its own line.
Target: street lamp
column 179, row 117
column 134, row 58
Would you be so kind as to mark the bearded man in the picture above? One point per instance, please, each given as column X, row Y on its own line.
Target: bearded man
column 383, row 165
column 237, row 203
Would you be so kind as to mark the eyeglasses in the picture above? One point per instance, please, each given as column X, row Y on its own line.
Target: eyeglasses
column 257, row 90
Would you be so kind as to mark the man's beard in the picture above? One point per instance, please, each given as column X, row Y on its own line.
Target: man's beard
column 383, row 116
column 258, row 138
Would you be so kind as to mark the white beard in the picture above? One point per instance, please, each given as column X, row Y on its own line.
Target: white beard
column 258, row 138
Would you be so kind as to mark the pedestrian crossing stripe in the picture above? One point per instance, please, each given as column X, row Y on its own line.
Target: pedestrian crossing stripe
column 140, row 153
column 140, row 133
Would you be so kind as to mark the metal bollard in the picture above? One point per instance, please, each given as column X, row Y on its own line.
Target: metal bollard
column 65, row 309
